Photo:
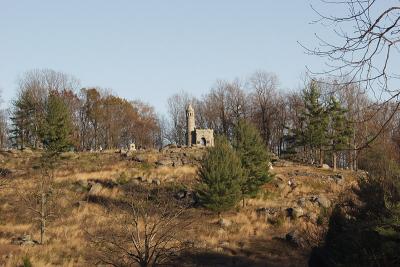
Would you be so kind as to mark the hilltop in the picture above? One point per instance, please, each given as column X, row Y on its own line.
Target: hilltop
column 277, row 228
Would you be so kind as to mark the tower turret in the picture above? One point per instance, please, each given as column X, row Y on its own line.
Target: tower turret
column 190, row 124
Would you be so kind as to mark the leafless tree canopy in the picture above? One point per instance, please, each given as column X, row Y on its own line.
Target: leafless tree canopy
column 366, row 47
column 144, row 233
column 41, row 200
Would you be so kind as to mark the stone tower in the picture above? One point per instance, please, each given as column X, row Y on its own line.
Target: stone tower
column 190, row 123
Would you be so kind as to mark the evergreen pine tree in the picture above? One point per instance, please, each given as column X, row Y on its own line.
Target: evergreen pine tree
column 20, row 124
column 220, row 177
column 253, row 156
column 315, row 120
column 57, row 129
column 341, row 130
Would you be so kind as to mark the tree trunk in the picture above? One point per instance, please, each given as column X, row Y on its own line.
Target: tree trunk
column 42, row 218
column 334, row 160
column 321, row 156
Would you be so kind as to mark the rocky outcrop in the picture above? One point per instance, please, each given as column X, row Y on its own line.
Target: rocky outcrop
column 25, row 240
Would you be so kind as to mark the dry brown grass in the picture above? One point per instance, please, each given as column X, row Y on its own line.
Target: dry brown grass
column 249, row 235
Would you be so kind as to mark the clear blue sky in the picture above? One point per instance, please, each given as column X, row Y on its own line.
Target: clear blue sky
column 149, row 50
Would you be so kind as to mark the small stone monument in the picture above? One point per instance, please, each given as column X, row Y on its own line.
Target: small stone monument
column 132, row 147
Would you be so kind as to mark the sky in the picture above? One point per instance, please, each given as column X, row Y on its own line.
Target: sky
column 149, row 50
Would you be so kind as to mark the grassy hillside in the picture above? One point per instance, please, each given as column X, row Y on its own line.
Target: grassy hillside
column 277, row 228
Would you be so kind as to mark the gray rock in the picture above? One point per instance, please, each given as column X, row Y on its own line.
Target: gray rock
column 267, row 211
column 325, row 167
column 294, row 238
column 338, row 178
column 95, row 189
column 297, row 212
column 294, row 212
column 323, row 201
column 141, row 179
column 165, row 162
column 181, row 194
column 25, row 240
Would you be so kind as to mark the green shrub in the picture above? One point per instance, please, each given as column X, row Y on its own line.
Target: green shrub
column 220, row 177
column 123, row 178
column 26, row 262
column 254, row 158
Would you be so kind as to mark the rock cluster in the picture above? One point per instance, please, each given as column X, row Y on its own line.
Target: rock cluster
column 25, row 240
column 172, row 156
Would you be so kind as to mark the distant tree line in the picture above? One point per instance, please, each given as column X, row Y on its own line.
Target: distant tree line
column 326, row 121
column 98, row 118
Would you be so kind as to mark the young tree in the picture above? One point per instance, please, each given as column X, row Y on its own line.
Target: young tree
column 144, row 233
column 220, row 177
column 41, row 199
column 340, row 129
column 315, row 120
column 57, row 129
column 253, row 156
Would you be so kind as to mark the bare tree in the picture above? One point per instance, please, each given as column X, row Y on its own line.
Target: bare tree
column 40, row 200
column 366, row 50
column 145, row 233
column 264, row 86
column 177, row 105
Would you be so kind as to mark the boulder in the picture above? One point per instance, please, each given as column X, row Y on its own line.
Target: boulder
column 323, row 201
column 25, row 240
column 270, row 166
column 294, row 237
column 325, row 166
column 267, row 213
column 297, row 212
column 95, row 189
column 141, row 179
column 156, row 181
column 165, row 162
column 181, row 194
column 294, row 212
